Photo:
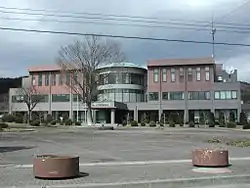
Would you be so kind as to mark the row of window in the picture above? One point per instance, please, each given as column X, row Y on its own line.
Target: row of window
column 45, row 98
column 112, row 78
column 225, row 95
column 120, row 91
column 173, row 71
column 121, row 78
column 194, row 95
column 50, row 79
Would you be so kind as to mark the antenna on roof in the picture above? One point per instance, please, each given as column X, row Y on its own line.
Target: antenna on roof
column 213, row 36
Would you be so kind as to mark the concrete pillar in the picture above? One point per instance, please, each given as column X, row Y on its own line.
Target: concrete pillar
column 159, row 114
column 186, row 116
column 50, row 104
column 94, row 116
column 238, row 114
column 112, row 116
column 71, row 106
column 136, row 114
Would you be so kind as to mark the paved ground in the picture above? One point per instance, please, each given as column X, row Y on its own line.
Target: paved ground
column 126, row 155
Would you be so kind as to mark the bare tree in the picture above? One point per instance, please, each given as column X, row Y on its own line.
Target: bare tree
column 80, row 61
column 31, row 97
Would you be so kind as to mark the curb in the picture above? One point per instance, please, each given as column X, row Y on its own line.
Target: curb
column 183, row 182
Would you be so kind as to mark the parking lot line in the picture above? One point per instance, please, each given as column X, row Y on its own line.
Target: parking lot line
column 127, row 163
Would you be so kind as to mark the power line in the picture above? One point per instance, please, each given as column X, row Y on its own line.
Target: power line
column 119, row 36
column 123, row 24
column 114, row 17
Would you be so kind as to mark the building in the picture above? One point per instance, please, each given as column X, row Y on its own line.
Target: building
column 128, row 91
column 121, row 83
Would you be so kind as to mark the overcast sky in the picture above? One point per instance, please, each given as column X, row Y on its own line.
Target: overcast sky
column 20, row 50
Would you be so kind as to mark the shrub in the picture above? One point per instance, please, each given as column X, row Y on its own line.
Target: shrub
column 171, row 124
column 181, row 124
column 202, row 118
column 152, row 124
column 191, row 124
column 35, row 123
column 243, row 118
column 53, row 122
column 143, row 124
column 3, row 125
column 49, row 118
column 68, row 122
column 78, row 123
column 211, row 123
column 231, row 125
column 8, row 118
column 222, row 119
column 134, row 123
column 124, row 123
column 18, row 119
column 231, row 116
column 246, row 126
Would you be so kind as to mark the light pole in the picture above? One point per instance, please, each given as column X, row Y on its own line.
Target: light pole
column 77, row 109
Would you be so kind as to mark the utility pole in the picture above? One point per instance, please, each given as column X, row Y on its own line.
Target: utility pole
column 213, row 38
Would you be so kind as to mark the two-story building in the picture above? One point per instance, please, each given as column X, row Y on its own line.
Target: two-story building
column 190, row 86
column 128, row 91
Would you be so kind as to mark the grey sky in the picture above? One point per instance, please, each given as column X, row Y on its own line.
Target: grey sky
column 20, row 50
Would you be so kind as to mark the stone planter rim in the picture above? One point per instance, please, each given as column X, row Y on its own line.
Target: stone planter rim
column 55, row 156
column 210, row 149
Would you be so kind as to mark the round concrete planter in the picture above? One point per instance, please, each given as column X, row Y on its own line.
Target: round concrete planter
column 210, row 157
column 56, row 166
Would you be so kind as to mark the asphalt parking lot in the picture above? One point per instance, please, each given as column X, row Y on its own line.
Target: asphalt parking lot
column 119, row 158
column 114, row 146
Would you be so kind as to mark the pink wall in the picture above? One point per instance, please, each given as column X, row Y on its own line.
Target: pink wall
column 201, row 85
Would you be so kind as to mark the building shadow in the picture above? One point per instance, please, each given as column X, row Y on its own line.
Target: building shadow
column 13, row 148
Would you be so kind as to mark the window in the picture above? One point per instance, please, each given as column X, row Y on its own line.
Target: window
column 176, row 96
column 199, row 95
column 47, row 79
column 60, row 79
column 234, row 94
column 207, row 73
column 225, row 95
column 105, row 78
column 17, row 98
column 165, row 96
column 61, row 98
column 222, row 95
column 75, row 79
column 193, row 95
column 111, row 78
column 40, row 80
column 53, row 79
column 181, row 75
column 228, row 95
column 216, row 95
column 164, row 74
column 156, row 75
column 40, row 98
column 190, row 74
column 77, row 97
column 172, row 75
column 207, row 95
column 68, row 79
column 198, row 74
column 33, row 80
column 153, row 96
